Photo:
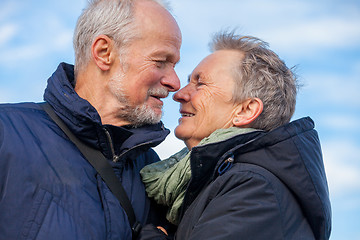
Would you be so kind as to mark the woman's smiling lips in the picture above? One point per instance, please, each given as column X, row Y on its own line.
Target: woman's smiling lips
column 186, row 114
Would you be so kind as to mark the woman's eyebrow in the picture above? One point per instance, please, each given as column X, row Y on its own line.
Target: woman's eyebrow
column 196, row 77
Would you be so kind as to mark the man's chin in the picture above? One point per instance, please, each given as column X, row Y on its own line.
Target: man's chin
column 158, row 113
column 145, row 115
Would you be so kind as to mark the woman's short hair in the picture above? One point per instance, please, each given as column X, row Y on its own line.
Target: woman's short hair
column 261, row 74
column 113, row 18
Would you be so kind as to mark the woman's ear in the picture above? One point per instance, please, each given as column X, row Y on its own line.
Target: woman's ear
column 102, row 52
column 247, row 112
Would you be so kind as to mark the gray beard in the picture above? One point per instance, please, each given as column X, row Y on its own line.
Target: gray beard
column 137, row 115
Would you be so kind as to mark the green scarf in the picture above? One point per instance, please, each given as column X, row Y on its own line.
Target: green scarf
column 166, row 181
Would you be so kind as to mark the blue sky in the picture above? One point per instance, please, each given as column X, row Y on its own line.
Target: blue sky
column 322, row 38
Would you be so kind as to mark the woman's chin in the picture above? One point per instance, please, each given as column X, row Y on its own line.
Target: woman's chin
column 178, row 132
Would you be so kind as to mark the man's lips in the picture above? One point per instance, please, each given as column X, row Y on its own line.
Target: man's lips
column 158, row 96
column 157, row 99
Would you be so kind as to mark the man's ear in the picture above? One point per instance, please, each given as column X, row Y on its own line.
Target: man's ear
column 102, row 52
column 247, row 112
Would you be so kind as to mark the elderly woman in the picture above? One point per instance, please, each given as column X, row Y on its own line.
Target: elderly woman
column 247, row 173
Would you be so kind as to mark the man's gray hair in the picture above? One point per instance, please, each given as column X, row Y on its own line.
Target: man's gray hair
column 261, row 74
column 113, row 18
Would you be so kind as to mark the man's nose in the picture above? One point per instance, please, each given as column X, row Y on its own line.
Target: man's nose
column 171, row 81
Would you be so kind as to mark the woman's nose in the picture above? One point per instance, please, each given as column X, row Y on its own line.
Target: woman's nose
column 182, row 95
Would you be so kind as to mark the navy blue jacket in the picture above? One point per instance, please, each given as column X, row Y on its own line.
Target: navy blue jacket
column 275, row 188
column 48, row 190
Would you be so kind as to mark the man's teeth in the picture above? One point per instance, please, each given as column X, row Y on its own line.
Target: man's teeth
column 187, row 114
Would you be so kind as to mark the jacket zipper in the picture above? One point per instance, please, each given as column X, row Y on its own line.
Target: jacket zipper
column 230, row 160
column 139, row 145
column 114, row 156
column 130, row 149
column 117, row 157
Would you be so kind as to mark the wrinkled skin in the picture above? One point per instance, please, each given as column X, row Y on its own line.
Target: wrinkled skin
column 206, row 101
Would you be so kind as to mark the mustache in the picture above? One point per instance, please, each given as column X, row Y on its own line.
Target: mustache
column 158, row 92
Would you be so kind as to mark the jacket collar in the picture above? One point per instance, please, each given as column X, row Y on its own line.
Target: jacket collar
column 84, row 121
column 291, row 152
column 206, row 159
column 216, row 153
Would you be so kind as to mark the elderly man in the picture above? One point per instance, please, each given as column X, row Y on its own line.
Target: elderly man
column 111, row 101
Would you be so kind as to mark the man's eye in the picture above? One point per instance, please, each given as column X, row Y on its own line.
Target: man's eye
column 160, row 63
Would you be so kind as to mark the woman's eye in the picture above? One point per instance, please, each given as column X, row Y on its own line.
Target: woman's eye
column 200, row 83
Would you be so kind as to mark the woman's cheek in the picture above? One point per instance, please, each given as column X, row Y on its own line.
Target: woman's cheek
column 202, row 101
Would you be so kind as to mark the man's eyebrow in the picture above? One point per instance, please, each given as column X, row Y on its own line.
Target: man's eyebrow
column 169, row 57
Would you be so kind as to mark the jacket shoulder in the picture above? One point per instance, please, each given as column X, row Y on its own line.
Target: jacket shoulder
column 256, row 185
column 19, row 108
column 248, row 198
column 17, row 115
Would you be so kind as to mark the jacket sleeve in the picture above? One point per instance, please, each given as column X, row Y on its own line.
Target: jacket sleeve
column 150, row 232
column 243, row 206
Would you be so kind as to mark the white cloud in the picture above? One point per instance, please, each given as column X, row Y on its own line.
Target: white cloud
column 5, row 95
column 170, row 146
column 334, row 89
column 8, row 29
column 336, row 121
column 63, row 40
column 60, row 41
column 22, row 38
column 7, row 32
column 296, row 27
column 58, row 35
column 20, row 53
column 342, row 165
column 313, row 35
column 7, row 8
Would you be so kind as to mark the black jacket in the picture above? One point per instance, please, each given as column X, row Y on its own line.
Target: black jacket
column 275, row 189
